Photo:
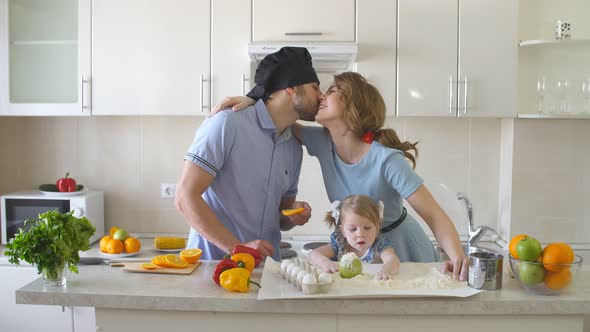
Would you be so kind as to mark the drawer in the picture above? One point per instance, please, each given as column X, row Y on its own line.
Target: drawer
column 303, row 20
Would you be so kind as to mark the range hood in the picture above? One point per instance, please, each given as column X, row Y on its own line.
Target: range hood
column 327, row 57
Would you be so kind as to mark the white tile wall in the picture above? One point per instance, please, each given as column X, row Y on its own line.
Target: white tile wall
column 128, row 157
column 551, row 180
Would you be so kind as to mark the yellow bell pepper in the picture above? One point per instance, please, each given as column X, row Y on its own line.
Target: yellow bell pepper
column 244, row 260
column 236, row 280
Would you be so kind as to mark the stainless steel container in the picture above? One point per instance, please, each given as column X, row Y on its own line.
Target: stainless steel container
column 485, row 270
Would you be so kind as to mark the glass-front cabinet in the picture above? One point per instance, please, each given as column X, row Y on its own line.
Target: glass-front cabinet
column 45, row 57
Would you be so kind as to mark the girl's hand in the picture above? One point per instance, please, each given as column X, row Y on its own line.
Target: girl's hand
column 387, row 272
column 329, row 266
column 459, row 266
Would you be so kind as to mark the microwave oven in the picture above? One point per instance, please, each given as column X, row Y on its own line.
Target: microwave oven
column 20, row 206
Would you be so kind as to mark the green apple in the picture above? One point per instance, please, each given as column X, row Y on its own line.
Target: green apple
column 531, row 273
column 350, row 265
column 529, row 249
column 121, row 234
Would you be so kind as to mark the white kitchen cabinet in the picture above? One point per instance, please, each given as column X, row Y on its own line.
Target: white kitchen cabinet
column 26, row 317
column 376, row 39
column 457, row 58
column 303, row 20
column 151, row 57
column 45, row 57
column 230, row 35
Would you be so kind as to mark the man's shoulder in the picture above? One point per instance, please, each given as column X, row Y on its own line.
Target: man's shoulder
column 227, row 117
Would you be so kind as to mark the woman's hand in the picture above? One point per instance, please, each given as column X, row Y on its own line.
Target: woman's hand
column 459, row 266
column 237, row 103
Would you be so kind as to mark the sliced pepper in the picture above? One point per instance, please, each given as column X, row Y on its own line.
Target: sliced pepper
column 243, row 249
column 244, row 260
column 236, row 280
column 224, row 264
column 292, row 211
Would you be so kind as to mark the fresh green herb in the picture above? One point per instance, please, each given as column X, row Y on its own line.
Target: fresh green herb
column 51, row 241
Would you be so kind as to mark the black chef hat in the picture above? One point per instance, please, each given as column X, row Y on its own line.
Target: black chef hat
column 287, row 67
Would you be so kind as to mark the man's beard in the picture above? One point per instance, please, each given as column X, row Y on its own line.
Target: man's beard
column 303, row 110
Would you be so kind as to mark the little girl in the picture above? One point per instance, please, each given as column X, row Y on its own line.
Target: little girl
column 357, row 222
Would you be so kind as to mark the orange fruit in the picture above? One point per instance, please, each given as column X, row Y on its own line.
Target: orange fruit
column 159, row 261
column 149, row 266
column 175, row 262
column 104, row 241
column 191, row 256
column 512, row 245
column 113, row 230
column 557, row 280
column 557, row 253
column 114, row 247
column 132, row 245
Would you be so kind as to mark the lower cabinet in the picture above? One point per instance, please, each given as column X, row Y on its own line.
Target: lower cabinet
column 32, row 318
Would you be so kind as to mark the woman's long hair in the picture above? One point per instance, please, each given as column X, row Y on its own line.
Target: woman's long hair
column 366, row 112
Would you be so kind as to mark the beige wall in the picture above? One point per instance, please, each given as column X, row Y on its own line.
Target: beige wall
column 551, row 180
column 128, row 158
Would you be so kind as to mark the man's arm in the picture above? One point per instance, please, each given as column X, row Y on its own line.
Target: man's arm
column 193, row 183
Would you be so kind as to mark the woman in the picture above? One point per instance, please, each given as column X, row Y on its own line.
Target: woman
column 358, row 156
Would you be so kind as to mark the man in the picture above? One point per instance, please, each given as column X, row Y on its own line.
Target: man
column 243, row 167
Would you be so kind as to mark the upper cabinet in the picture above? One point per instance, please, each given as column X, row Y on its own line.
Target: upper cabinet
column 457, row 58
column 376, row 41
column 45, row 57
column 151, row 57
column 230, row 35
column 303, row 20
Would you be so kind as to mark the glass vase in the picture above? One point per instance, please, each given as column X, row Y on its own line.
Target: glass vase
column 54, row 277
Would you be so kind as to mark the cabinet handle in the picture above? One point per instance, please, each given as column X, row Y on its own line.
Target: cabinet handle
column 465, row 96
column 303, row 33
column 451, row 95
column 202, row 79
column 244, row 80
column 85, row 84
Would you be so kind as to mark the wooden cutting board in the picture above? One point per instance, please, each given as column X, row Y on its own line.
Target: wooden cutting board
column 136, row 267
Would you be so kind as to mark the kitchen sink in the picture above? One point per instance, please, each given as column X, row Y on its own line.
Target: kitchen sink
column 482, row 247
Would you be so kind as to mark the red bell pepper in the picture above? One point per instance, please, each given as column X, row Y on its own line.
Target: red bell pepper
column 66, row 184
column 243, row 249
column 224, row 264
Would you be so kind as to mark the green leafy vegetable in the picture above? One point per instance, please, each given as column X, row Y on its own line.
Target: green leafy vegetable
column 52, row 241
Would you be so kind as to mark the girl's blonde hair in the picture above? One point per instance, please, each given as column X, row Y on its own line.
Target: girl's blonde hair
column 366, row 112
column 360, row 205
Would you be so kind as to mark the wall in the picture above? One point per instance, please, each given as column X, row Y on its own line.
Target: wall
column 128, row 158
column 551, row 180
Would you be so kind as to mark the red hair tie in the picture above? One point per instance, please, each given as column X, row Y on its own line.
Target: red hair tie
column 368, row 137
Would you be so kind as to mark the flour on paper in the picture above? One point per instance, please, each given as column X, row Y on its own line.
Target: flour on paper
column 411, row 276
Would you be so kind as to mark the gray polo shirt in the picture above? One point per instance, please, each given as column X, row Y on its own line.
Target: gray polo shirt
column 253, row 167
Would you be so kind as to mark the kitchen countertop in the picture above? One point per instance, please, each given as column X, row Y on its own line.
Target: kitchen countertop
column 103, row 286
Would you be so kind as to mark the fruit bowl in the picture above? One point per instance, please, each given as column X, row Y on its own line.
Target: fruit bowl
column 543, row 278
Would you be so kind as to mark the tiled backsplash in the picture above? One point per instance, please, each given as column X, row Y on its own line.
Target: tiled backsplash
column 128, row 158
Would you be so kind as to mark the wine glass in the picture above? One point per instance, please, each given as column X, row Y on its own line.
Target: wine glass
column 562, row 87
column 541, row 92
column 586, row 96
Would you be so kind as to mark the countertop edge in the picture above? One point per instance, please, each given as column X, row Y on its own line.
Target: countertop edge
column 398, row 306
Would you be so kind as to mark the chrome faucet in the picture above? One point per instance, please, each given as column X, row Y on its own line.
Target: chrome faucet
column 475, row 234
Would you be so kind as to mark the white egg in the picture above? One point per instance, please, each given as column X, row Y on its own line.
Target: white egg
column 325, row 278
column 284, row 265
column 300, row 276
column 310, row 279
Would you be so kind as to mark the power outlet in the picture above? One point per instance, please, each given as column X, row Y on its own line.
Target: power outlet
column 167, row 190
